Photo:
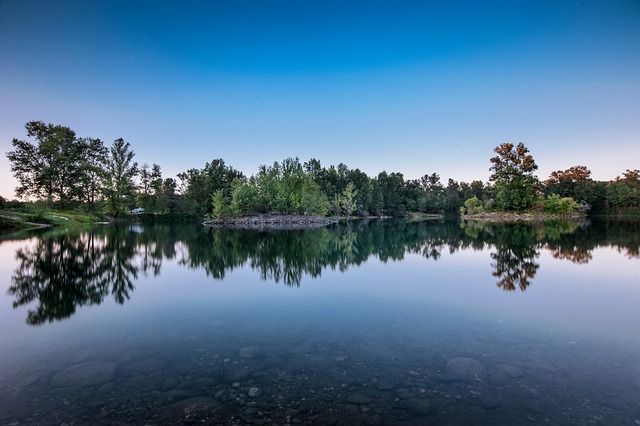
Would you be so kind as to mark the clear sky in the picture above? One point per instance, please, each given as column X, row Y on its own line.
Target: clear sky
column 414, row 87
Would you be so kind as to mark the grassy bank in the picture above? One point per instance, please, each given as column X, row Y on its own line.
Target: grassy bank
column 23, row 219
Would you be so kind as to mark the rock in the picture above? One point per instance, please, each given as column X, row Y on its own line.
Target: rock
column 512, row 371
column 417, row 407
column 358, row 399
column 499, row 378
column 253, row 392
column 446, row 377
column 237, row 375
column 84, row 374
column 465, row 368
column 201, row 406
column 249, row 352
column 489, row 402
column 141, row 366
column 384, row 385
column 107, row 388
column 174, row 395
column 406, row 395
column 532, row 405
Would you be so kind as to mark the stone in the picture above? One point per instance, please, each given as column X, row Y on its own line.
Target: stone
column 237, row 375
column 532, row 405
column 141, row 366
column 513, row 371
column 465, row 368
column 499, row 378
column 489, row 402
column 358, row 399
column 253, row 392
column 84, row 374
column 249, row 352
column 417, row 407
column 384, row 385
column 177, row 395
column 201, row 406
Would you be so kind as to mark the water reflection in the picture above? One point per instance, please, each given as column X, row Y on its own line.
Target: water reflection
column 59, row 272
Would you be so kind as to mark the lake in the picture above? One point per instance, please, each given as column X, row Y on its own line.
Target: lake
column 372, row 323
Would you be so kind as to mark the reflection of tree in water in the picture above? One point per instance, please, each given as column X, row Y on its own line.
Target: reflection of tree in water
column 59, row 274
column 515, row 257
column 62, row 271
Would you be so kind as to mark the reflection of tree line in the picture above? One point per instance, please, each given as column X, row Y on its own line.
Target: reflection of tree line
column 64, row 270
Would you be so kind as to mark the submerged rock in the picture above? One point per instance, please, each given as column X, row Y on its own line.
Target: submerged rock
column 237, row 375
column 465, row 368
column 201, row 407
column 513, row 371
column 490, row 402
column 417, row 407
column 253, row 392
column 84, row 374
column 141, row 366
column 384, row 385
column 358, row 399
column 249, row 352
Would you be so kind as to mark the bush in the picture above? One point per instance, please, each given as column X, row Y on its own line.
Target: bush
column 472, row 206
column 556, row 205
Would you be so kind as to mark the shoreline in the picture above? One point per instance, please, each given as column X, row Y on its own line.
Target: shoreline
column 513, row 217
column 271, row 222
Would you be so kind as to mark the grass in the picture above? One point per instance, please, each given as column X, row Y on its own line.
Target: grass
column 11, row 219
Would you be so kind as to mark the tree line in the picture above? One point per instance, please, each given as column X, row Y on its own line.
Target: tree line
column 70, row 172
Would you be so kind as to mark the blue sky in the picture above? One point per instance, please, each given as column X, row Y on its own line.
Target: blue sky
column 414, row 87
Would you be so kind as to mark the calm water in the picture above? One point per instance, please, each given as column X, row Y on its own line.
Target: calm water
column 391, row 323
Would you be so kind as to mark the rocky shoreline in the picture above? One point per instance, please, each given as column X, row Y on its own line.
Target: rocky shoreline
column 271, row 222
column 513, row 217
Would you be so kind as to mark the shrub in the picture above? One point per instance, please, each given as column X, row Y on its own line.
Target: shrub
column 472, row 206
column 554, row 204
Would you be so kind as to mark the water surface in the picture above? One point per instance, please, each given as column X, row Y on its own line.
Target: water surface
column 370, row 323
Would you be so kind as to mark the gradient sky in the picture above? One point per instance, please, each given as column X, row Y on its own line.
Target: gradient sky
column 414, row 87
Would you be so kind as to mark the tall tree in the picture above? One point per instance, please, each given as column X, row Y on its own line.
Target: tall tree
column 515, row 183
column 51, row 168
column 93, row 171
column 121, row 170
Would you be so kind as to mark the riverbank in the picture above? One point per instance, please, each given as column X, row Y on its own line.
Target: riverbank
column 11, row 220
column 515, row 217
column 271, row 222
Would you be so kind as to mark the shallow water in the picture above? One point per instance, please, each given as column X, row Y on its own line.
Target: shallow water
column 392, row 323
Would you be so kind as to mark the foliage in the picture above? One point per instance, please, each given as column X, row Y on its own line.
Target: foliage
column 555, row 204
column 472, row 206
column 512, row 173
column 198, row 185
column 348, row 199
column 221, row 208
column 58, row 167
column 69, row 172
column 119, row 175
column 624, row 193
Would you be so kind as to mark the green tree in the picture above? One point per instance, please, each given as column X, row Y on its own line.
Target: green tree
column 244, row 198
column 199, row 184
column 512, row 173
column 171, row 197
column 348, row 200
column 121, row 170
column 158, row 203
column 93, row 166
column 221, row 208
column 52, row 167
